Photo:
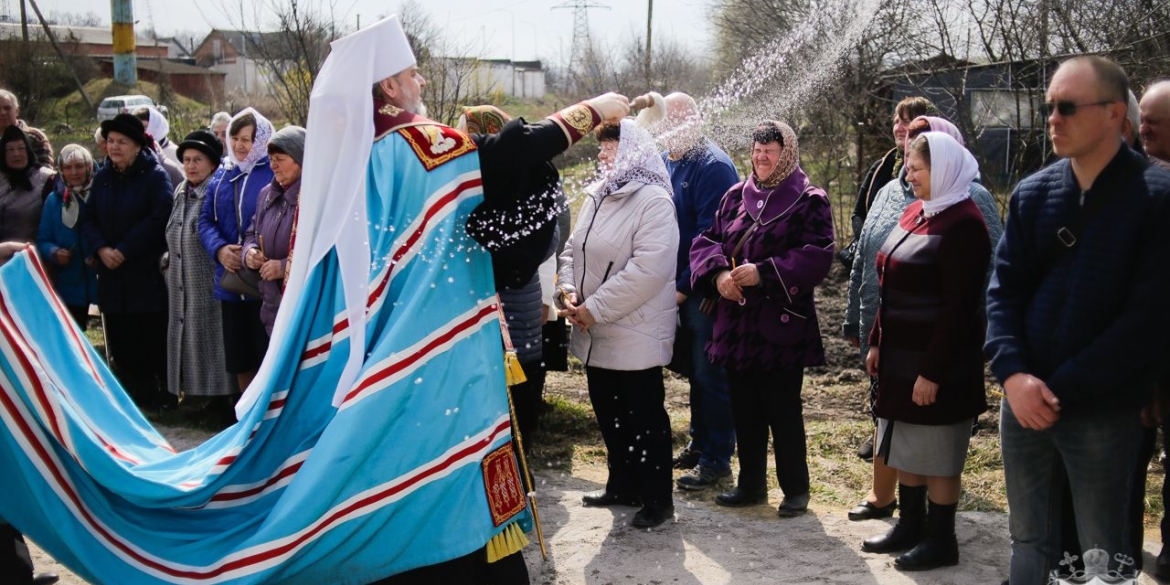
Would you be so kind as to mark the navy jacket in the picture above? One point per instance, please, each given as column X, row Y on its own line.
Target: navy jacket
column 224, row 219
column 128, row 211
column 700, row 179
column 1093, row 325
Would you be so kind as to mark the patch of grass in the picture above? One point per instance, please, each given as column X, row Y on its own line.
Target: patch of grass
column 568, row 433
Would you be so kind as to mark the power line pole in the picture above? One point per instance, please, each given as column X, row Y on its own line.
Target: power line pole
column 60, row 53
column 23, row 22
column 649, row 45
column 581, row 40
column 125, row 59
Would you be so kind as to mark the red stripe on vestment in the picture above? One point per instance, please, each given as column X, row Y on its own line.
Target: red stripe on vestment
column 421, row 354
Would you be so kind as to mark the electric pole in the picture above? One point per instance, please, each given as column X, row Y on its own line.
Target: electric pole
column 581, row 41
column 125, row 59
column 649, row 32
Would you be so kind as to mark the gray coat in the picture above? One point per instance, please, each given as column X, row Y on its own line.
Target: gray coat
column 887, row 208
column 20, row 209
column 195, row 351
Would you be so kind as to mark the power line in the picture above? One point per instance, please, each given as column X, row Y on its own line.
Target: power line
column 581, row 42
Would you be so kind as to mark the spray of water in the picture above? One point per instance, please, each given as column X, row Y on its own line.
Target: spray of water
column 776, row 82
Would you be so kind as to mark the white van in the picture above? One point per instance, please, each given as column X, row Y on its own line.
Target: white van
column 124, row 104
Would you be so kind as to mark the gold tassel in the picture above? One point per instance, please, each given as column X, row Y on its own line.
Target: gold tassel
column 513, row 373
column 507, row 542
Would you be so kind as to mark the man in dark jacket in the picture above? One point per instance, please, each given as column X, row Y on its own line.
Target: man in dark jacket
column 700, row 173
column 1075, row 329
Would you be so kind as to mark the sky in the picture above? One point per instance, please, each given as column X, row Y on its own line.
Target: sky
column 518, row 29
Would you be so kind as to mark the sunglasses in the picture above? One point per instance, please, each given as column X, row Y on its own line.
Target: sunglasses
column 1067, row 109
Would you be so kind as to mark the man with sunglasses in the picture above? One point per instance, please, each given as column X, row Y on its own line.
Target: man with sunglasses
column 1074, row 322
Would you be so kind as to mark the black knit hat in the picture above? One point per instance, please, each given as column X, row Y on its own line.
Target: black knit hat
column 128, row 126
column 204, row 142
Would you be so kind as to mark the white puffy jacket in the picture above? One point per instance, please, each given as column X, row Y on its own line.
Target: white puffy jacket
column 620, row 259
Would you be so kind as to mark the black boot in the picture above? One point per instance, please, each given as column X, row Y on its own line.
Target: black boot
column 939, row 548
column 911, row 523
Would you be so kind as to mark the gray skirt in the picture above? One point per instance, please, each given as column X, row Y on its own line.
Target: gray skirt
column 934, row 450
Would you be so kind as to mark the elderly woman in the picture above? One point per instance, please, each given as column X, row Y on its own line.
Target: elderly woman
column 883, row 170
column 219, row 127
column 616, row 287
column 124, row 224
column 226, row 216
column 863, row 303
column 769, row 246
column 195, row 333
column 100, row 142
column 266, row 243
column 23, row 184
column 926, row 348
column 59, row 239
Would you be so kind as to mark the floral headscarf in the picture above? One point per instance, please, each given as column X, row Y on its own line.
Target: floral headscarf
column 74, row 195
column 637, row 160
column 789, row 153
column 260, row 139
column 483, row 120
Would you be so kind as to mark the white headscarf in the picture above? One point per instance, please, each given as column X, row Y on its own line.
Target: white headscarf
column 157, row 125
column 638, row 159
column 259, row 150
column 952, row 169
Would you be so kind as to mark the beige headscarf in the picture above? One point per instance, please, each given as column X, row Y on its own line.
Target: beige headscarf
column 789, row 153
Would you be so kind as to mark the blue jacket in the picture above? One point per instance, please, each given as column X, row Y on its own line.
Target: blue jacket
column 221, row 223
column 75, row 282
column 1092, row 325
column 700, row 179
column 128, row 211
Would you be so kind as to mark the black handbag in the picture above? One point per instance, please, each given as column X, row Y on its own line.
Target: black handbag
column 244, row 281
column 845, row 255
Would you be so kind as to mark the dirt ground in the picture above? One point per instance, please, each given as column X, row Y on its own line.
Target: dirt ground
column 710, row 545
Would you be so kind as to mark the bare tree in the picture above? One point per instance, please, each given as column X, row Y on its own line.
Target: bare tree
column 291, row 57
column 455, row 75
column 36, row 73
column 67, row 18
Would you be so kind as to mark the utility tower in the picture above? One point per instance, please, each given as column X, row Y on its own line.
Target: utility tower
column 580, row 27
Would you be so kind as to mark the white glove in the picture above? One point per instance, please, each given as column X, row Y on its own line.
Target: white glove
column 611, row 106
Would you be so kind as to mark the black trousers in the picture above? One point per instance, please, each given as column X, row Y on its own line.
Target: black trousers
column 763, row 400
column 528, row 398
column 631, row 413
column 472, row 569
column 80, row 315
column 15, row 563
column 138, row 346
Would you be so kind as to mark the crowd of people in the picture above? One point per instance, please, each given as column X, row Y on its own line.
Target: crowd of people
column 675, row 262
